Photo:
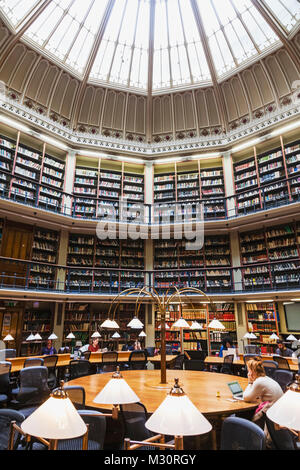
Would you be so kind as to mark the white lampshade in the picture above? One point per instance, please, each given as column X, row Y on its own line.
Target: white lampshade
column 167, row 327
column 31, row 337
column 273, row 336
column 178, row 416
column 289, row 338
column 116, row 392
column 8, row 338
column 70, row 336
column 181, row 323
column 249, row 336
column 96, row 335
column 142, row 334
column 111, row 324
column 135, row 323
column 286, row 411
column 116, row 335
column 216, row 325
column 53, row 336
column 57, row 418
column 196, row 326
column 37, row 336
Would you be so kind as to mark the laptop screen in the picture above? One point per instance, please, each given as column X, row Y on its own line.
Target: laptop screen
column 235, row 388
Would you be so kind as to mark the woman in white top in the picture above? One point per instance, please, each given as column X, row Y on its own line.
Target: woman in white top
column 261, row 389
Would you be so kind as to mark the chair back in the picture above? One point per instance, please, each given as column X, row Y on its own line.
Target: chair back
column 138, row 360
column 33, row 385
column 96, row 435
column 247, row 357
column 252, row 349
column 270, row 367
column 283, row 363
column 283, row 377
column 76, row 395
column 228, row 359
column 10, row 353
column 179, row 361
column 282, row 439
column 63, row 350
column 241, row 434
column 5, row 368
column 134, row 417
column 6, row 416
column 86, row 355
column 33, row 362
column 79, row 368
column 150, row 350
column 50, row 361
column 110, row 356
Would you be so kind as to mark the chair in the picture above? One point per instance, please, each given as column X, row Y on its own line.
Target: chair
column 227, row 364
column 194, row 364
column 79, row 368
column 283, row 363
column 33, row 362
column 137, row 360
column 33, row 389
column 134, row 417
column 179, row 362
column 86, row 355
column 6, row 416
column 10, row 353
column 252, row 349
column 109, row 361
column 5, row 386
column 150, row 350
column 241, row 434
column 283, row 377
column 247, row 357
column 63, row 350
column 50, row 362
column 270, row 367
column 76, row 395
column 96, row 435
column 282, row 439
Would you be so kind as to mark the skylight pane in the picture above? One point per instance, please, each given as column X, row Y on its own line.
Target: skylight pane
column 175, row 27
column 287, row 12
column 43, row 26
column 18, row 10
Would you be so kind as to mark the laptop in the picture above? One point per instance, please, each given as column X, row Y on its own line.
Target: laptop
column 236, row 390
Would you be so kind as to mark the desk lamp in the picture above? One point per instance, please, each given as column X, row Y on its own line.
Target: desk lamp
column 70, row 336
column 216, row 325
column 55, row 419
column 178, row 416
column 8, row 338
column 135, row 324
column 196, row 326
column 116, row 392
column 96, row 335
column 273, row 336
column 289, row 338
column 142, row 334
column 53, row 337
column 286, row 411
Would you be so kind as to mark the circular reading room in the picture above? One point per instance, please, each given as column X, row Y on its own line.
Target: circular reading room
column 149, row 226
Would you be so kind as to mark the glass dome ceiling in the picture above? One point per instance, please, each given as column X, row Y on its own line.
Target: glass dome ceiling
column 152, row 45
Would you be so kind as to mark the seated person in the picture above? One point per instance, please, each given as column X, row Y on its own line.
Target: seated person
column 94, row 346
column 137, row 345
column 261, row 389
column 282, row 350
column 49, row 349
column 226, row 344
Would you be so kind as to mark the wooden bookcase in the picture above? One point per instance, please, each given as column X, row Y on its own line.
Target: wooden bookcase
column 262, row 321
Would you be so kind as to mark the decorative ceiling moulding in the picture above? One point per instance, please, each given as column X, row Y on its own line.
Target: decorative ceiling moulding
column 75, row 139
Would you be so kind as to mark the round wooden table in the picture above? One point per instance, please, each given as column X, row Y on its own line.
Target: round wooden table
column 201, row 388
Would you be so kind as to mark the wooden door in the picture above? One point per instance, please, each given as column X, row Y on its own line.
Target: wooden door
column 16, row 244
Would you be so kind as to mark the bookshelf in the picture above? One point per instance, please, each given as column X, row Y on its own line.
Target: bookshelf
column 52, row 182
column 271, row 168
column 45, row 248
column 81, row 255
column 292, row 157
column 35, row 321
column 262, row 321
column 205, row 269
column 85, row 190
column 224, row 312
column 121, row 263
column 278, row 246
column 77, row 321
column 246, row 185
column 212, row 190
column 193, row 340
column 7, row 154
